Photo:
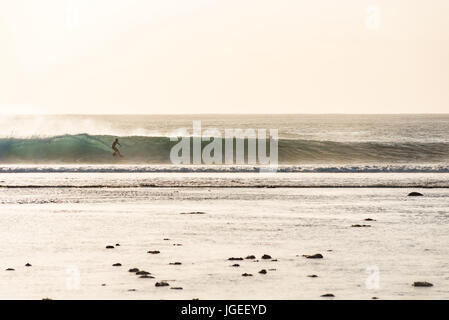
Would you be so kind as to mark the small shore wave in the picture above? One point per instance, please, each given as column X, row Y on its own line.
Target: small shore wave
column 223, row 169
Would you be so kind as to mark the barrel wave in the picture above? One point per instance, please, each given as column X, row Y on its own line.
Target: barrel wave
column 96, row 149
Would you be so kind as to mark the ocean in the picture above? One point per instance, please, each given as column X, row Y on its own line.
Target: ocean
column 354, row 143
column 341, row 190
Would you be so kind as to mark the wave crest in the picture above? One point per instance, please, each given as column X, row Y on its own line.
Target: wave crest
column 96, row 149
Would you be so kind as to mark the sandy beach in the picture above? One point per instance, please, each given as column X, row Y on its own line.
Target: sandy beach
column 63, row 233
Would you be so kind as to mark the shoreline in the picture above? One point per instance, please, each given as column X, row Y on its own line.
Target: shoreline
column 224, row 187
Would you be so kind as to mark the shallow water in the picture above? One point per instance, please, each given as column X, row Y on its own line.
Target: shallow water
column 63, row 231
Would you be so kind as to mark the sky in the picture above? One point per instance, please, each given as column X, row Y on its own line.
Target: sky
column 224, row 56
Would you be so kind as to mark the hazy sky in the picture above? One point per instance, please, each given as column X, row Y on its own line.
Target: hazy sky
column 224, row 56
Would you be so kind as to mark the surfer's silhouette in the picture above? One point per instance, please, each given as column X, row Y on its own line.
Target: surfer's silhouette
column 114, row 147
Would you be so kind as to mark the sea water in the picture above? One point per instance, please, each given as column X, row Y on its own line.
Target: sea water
column 58, row 211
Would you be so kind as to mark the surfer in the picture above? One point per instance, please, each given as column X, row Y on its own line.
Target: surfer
column 114, row 147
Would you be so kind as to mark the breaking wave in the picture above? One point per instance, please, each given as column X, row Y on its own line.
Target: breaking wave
column 96, row 149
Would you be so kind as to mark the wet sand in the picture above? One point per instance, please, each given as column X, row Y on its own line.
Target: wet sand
column 63, row 234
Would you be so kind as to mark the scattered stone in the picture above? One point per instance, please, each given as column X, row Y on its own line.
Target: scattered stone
column 247, row 275
column 166, row 239
column 271, row 269
column 176, row 288
column 266, row 256
column 369, row 219
column 146, row 277
column 109, row 247
column 415, row 194
column 133, row 270
column 175, row 263
column 313, row 256
column 274, row 260
column 360, row 226
column 103, row 284
column 142, row 273
column 117, row 244
column 117, row 265
column 132, row 290
column 328, row 295
column 235, row 259
column 263, row 271
column 28, row 265
column 312, row 276
column 235, row 265
column 375, row 298
column 251, row 257
column 422, row 284
column 177, row 244
column 162, row 284
column 10, row 269
column 154, row 251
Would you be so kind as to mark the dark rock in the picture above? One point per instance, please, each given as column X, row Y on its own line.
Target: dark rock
column 146, row 277
column 327, row 295
column 194, row 212
column 175, row 263
column 235, row 259
column 422, row 284
column 117, row 244
column 360, row 226
column 10, row 269
column 177, row 244
column 117, row 265
column 369, row 219
column 266, row 256
column 132, row 290
column 312, row 276
column 28, row 265
column 166, row 239
column 314, row 256
column 154, row 252
column 250, row 257
column 235, row 265
column 133, row 270
column 247, row 275
column 103, row 284
column 274, row 260
column 142, row 273
column 375, row 298
column 176, row 288
column 263, row 271
column 271, row 269
column 415, row 194
column 109, row 247
column 162, row 284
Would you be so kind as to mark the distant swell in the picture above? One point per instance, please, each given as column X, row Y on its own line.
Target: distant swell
column 88, row 149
